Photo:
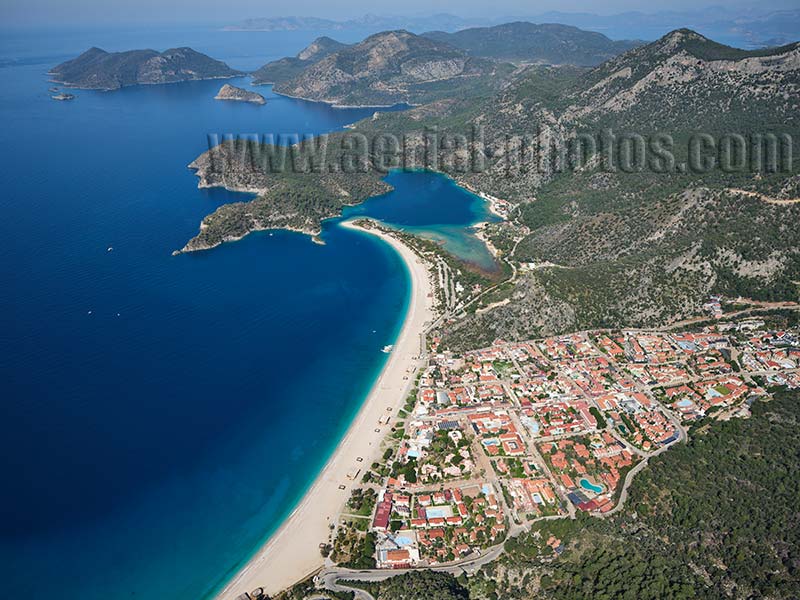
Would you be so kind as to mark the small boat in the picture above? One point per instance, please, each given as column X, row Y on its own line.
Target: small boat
column 387, row 349
column 110, row 249
column 62, row 96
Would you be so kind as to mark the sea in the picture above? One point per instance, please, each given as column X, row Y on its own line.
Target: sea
column 162, row 415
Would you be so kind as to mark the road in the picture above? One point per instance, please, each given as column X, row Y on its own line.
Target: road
column 329, row 578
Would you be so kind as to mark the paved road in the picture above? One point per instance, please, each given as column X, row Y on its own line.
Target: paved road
column 329, row 578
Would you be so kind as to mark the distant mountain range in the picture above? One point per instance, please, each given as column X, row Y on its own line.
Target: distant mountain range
column 744, row 28
column 100, row 70
column 750, row 28
column 368, row 22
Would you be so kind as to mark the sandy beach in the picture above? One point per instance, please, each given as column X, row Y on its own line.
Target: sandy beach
column 292, row 553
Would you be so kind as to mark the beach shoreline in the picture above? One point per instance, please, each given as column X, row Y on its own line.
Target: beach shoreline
column 292, row 553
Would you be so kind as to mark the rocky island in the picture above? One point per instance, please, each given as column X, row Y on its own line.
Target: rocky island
column 97, row 69
column 235, row 94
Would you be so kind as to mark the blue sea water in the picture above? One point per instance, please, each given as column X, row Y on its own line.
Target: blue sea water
column 162, row 414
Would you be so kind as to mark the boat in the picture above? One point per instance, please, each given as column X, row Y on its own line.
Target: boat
column 387, row 349
column 62, row 96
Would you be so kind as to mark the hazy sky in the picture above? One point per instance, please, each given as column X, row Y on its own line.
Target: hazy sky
column 19, row 12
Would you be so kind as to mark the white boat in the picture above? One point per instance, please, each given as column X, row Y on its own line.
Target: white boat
column 387, row 349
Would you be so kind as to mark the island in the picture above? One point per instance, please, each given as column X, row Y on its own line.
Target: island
column 97, row 69
column 235, row 94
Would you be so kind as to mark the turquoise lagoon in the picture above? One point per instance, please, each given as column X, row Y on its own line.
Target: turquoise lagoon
column 432, row 206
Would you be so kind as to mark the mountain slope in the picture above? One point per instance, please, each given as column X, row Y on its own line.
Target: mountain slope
column 528, row 42
column 101, row 70
column 389, row 68
column 287, row 68
column 646, row 245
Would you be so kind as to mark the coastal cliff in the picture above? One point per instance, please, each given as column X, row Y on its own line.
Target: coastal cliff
column 235, row 94
column 97, row 69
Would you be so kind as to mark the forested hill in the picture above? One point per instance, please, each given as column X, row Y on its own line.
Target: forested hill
column 549, row 43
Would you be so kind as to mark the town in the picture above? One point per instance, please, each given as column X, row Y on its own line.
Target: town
column 497, row 438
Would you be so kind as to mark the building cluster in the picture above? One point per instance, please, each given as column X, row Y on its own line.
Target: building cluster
column 518, row 431
column 589, row 469
column 434, row 527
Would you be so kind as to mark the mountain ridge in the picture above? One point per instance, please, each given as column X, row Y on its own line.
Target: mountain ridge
column 386, row 68
column 522, row 41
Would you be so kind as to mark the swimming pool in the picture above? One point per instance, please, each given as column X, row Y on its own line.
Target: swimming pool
column 439, row 512
column 591, row 487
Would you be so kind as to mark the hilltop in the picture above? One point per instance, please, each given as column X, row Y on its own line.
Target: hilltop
column 100, row 70
column 549, row 43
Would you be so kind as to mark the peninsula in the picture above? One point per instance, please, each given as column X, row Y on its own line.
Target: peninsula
column 384, row 69
column 235, row 94
column 97, row 69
